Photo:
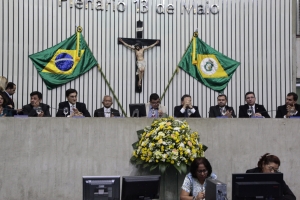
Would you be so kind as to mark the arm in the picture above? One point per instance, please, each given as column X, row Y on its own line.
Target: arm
column 60, row 110
column 27, row 110
column 242, row 114
column 264, row 112
column 125, row 44
column 46, row 111
column 232, row 113
column 287, row 192
column 177, row 112
column 211, row 112
column 196, row 113
column 152, row 45
column 85, row 112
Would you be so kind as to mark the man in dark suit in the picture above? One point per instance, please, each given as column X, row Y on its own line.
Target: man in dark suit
column 9, row 92
column 221, row 109
column 107, row 110
column 257, row 110
column 186, row 109
column 36, row 108
column 291, row 108
column 73, row 107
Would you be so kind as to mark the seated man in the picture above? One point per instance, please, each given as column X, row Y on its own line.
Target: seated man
column 36, row 108
column 186, row 109
column 221, row 109
column 291, row 108
column 73, row 107
column 257, row 110
column 107, row 110
column 154, row 108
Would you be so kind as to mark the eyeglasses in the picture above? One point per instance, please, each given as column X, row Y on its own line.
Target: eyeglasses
column 155, row 103
column 202, row 171
column 272, row 169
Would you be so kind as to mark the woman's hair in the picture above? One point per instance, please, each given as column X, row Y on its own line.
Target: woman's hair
column 4, row 99
column 3, row 83
column 266, row 159
column 195, row 164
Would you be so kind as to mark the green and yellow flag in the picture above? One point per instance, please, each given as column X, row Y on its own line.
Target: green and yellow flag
column 65, row 61
column 207, row 65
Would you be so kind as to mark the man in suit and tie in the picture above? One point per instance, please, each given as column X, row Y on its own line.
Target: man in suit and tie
column 36, row 108
column 186, row 109
column 74, row 108
column 107, row 110
column 291, row 108
column 154, row 108
column 221, row 109
column 9, row 92
column 257, row 110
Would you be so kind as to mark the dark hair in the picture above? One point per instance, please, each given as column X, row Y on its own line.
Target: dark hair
column 10, row 85
column 69, row 91
column 138, row 45
column 195, row 164
column 266, row 159
column 154, row 96
column 295, row 96
column 40, row 96
column 249, row 93
column 222, row 95
column 186, row 95
column 4, row 99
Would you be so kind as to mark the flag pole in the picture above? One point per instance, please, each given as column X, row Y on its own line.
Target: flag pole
column 195, row 34
column 113, row 93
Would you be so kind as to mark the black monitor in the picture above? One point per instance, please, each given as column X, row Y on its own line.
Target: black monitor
column 140, row 187
column 138, row 110
column 101, row 187
column 248, row 186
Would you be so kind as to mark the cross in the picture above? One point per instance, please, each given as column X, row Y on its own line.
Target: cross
column 137, row 44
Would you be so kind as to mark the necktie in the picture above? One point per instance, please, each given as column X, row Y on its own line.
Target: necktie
column 253, row 111
column 186, row 113
column 153, row 113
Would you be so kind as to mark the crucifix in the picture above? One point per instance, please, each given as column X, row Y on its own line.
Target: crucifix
column 136, row 44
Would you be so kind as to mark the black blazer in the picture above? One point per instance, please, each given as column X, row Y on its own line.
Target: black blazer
column 177, row 112
column 100, row 112
column 258, row 109
column 9, row 101
column 287, row 193
column 281, row 111
column 214, row 111
column 28, row 110
column 80, row 107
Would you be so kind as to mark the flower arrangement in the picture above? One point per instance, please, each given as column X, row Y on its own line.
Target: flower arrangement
column 167, row 142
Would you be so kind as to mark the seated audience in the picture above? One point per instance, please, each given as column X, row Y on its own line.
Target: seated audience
column 257, row 110
column 291, row 108
column 221, row 109
column 73, row 107
column 107, row 110
column 270, row 164
column 193, row 187
column 154, row 108
column 5, row 111
column 36, row 108
column 186, row 109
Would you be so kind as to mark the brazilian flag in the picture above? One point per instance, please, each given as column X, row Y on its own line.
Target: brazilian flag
column 207, row 65
column 65, row 61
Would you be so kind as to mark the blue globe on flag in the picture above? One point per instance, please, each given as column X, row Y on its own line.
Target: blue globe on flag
column 64, row 61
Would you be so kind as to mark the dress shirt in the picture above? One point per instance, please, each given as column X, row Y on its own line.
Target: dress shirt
column 107, row 112
column 151, row 109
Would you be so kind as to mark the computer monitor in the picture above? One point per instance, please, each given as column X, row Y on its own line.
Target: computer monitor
column 215, row 190
column 101, row 187
column 138, row 110
column 140, row 187
column 248, row 186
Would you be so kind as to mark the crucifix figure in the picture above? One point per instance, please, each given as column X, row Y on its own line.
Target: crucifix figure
column 140, row 61
column 136, row 44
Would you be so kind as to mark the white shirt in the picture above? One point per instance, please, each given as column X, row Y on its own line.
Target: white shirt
column 107, row 112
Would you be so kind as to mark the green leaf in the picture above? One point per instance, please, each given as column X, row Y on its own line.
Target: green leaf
column 133, row 159
column 153, row 167
column 178, row 168
column 146, row 165
column 135, row 145
column 162, row 167
column 140, row 133
column 183, row 168
column 139, row 162
column 204, row 147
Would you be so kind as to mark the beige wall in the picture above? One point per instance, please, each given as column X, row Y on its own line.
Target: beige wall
column 46, row 158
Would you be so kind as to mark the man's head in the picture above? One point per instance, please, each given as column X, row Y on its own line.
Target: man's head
column 185, row 97
column 71, row 95
column 10, row 88
column 154, row 100
column 137, row 46
column 35, row 98
column 250, row 98
column 107, row 101
column 291, row 99
column 222, row 100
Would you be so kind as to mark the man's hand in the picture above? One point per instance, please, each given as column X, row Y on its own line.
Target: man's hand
column 228, row 113
column 41, row 114
column 160, row 113
column 257, row 115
